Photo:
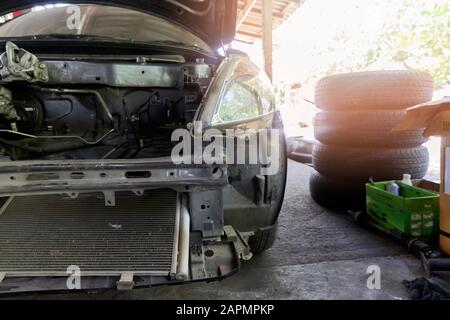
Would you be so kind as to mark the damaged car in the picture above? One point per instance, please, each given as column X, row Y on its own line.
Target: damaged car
column 91, row 97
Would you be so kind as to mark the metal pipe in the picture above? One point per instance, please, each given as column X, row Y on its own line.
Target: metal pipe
column 176, row 237
column 79, row 91
column 183, row 245
column 84, row 91
column 26, row 135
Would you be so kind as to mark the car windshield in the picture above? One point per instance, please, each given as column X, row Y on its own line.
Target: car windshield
column 99, row 21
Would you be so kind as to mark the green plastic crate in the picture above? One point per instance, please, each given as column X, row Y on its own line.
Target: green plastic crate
column 414, row 213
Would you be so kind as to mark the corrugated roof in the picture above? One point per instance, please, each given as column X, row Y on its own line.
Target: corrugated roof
column 249, row 17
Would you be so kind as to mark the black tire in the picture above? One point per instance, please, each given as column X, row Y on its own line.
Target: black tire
column 305, row 158
column 365, row 128
column 359, row 164
column 374, row 90
column 337, row 194
column 263, row 239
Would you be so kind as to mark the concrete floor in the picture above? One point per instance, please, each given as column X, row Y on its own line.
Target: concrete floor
column 319, row 254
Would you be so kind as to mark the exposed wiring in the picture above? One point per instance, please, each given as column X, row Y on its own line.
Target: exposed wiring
column 113, row 150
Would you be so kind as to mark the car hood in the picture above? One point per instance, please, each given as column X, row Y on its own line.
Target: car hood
column 212, row 20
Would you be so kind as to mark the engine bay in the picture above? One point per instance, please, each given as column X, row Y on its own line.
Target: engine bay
column 94, row 108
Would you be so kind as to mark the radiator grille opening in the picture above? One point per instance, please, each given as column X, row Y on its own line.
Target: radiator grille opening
column 44, row 235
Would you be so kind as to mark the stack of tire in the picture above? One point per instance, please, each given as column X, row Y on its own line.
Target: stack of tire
column 355, row 137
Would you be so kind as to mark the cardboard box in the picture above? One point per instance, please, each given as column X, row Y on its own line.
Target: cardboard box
column 434, row 117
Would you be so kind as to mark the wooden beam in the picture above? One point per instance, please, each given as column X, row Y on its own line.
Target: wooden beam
column 244, row 12
column 247, row 23
column 275, row 14
column 249, row 34
column 267, row 37
column 246, row 41
column 286, row 9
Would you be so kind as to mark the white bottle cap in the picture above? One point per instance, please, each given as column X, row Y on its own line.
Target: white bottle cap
column 407, row 177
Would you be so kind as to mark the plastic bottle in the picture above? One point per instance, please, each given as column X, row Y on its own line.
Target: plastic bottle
column 393, row 188
column 407, row 179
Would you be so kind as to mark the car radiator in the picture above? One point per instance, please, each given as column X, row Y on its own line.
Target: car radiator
column 45, row 235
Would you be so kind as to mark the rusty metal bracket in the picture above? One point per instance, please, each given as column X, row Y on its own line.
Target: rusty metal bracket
column 126, row 282
column 110, row 198
column 242, row 246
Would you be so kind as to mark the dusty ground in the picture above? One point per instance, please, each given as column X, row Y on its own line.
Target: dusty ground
column 319, row 254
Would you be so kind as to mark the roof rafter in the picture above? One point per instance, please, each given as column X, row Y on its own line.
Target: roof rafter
column 244, row 12
column 249, row 17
